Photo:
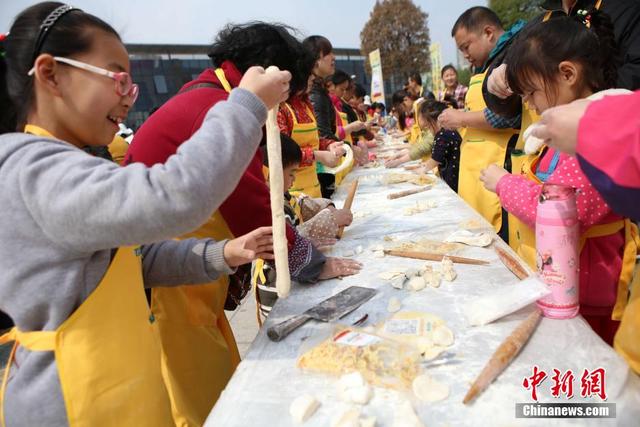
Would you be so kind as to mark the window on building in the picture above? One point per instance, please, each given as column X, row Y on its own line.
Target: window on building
column 160, row 83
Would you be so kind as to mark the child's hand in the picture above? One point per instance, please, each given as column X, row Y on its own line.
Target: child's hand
column 491, row 175
column 253, row 245
column 327, row 158
column 271, row 88
column 338, row 267
column 322, row 243
column 451, row 118
column 342, row 217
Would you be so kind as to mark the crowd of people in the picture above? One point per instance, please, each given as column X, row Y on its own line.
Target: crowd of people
column 120, row 257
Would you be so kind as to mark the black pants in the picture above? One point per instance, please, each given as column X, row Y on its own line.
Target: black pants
column 327, row 184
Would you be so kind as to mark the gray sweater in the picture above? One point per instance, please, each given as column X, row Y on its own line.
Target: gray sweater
column 63, row 211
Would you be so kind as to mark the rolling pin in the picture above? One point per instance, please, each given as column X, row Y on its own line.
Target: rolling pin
column 434, row 257
column 404, row 193
column 511, row 263
column 276, row 194
column 348, row 202
column 505, row 353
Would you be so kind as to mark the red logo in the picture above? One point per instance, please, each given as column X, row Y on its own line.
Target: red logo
column 592, row 383
column 534, row 381
column 562, row 384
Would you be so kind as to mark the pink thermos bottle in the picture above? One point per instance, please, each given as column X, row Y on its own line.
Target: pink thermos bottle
column 557, row 235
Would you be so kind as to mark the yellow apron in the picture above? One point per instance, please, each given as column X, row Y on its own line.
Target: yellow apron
column 118, row 149
column 631, row 243
column 521, row 237
column 107, row 353
column 199, row 350
column 305, row 135
column 627, row 339
column 342, row 121
column 479, row 149
column 415, row 127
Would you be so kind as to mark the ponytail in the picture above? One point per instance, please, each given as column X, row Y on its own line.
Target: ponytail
column 7, row 110
column 601, row 25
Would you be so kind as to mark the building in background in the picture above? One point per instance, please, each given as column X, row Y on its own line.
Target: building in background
column 161, row 70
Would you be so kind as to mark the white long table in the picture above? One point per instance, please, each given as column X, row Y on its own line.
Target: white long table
column 267, row 380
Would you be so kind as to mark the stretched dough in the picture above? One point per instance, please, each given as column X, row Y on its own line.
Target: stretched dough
column 303, row 407
column 429, row 390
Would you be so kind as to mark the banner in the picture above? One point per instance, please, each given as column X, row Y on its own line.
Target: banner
column 436, row 66
column 377, row 82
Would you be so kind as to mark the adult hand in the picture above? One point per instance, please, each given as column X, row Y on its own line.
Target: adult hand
column 558, row 126
column 272, row 88
column 397, row 160
column 354, row 126
column 338, row 267
column 337, row 148
column 491, row 175
column 451, row 118
column 253, row 245
column 327, row 158
column 497, row 83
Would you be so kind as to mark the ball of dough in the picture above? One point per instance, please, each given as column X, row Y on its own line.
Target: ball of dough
column 442, row 336
column 394, row 305
column 429, row 390
column 303, row 407
column 416, row 283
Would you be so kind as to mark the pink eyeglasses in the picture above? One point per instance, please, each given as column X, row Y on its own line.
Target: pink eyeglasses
column 124, row 83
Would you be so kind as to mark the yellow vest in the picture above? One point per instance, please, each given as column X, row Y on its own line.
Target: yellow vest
column 479, row 149
column 199, row 351
column 305, row 135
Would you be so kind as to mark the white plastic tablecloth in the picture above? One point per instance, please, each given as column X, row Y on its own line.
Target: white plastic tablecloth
column 267, row 380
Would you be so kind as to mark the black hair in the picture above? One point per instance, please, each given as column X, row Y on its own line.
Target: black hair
column 290, row 150
column 264, row 44
column 450, row 101
column 317, row 46
column 448, row 67
column 396, row 100
column 540, row 48
column 376, row 105
column 359, row 91
column 431, row 109
column 416, row 77
column 340, row 77
column 474, row 19
column 70, row 35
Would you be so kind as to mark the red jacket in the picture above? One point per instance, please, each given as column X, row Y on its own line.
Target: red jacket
column 248, row 207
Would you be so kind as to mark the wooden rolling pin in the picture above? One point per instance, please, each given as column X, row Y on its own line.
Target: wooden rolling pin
column 276, row 193
column 505, row 353
column 511, row 263
column 348, row 202
column 413, row 167
column 404, row 193
column 435, row 257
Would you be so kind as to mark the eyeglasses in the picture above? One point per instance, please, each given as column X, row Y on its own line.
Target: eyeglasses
column 123, row 81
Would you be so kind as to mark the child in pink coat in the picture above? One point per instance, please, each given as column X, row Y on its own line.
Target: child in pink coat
column 554, row 63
